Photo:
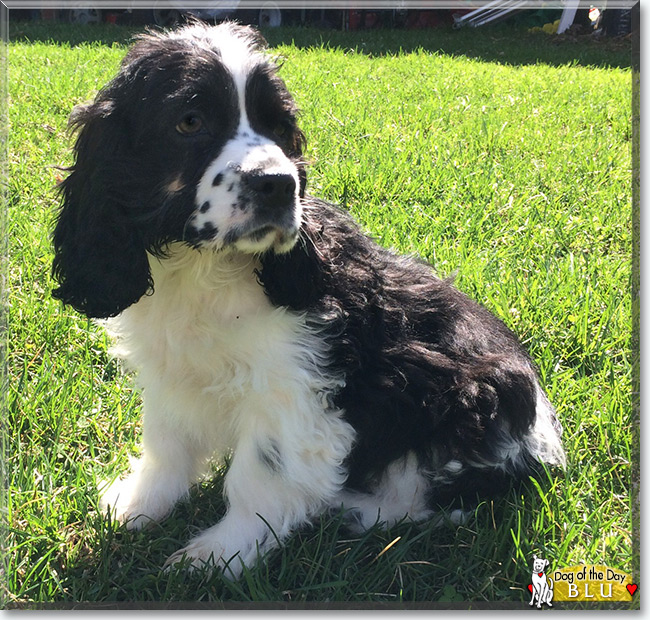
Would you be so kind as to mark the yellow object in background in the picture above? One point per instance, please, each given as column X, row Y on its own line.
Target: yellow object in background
column 547, row 28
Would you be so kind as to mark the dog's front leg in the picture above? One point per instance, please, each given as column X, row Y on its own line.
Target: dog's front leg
column 171, row 460
column 276, row 482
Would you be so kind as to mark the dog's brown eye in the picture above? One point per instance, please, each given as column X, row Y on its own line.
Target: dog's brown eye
column 279, row 130
column 190, row 124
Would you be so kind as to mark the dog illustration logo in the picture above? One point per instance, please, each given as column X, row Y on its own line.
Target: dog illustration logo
column 542, row 586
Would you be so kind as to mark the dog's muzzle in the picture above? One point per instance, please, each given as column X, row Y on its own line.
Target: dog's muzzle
column 271, row 191
column 248, row 199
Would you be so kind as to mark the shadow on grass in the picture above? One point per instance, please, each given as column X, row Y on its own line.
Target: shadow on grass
column 501, row 44
column 504, row 44
column 484, row 564
column 322, row 566
column 71, row 35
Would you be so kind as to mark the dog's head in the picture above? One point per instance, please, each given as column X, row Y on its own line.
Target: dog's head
column 539, row 564
column 195, row 140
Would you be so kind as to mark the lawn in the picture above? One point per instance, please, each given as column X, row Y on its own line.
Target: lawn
column 513, row 175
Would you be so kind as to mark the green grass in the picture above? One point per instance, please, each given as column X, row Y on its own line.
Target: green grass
column 516, row 177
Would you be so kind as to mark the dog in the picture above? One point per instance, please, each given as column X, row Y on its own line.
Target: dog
column 542, row 585
column 265, row 326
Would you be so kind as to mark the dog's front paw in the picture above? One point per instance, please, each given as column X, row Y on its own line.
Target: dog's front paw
column 224, row 548
column 201, row 554
column 196, row 556
column 121, row 501
column 141, row 498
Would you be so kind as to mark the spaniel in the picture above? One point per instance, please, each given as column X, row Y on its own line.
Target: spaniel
column 265, row 326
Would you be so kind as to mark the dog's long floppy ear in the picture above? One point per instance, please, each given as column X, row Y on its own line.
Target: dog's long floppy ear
column 298, row 145
column 298, row 278
column 100, row 258
column 302, row 177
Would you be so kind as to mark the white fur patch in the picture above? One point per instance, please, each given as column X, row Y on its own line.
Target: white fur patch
column 544, row 441
column 221, row 369
column 400, row 493
column 223, row 205
column 223, row 215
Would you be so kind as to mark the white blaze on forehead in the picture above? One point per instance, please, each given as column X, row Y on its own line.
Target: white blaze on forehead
column 237, row 53
column 239, row 60
column 224, row 202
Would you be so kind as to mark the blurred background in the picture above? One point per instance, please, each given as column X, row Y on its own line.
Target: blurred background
column 595, row 19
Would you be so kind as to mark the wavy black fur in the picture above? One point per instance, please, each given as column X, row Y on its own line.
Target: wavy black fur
column 427, row 369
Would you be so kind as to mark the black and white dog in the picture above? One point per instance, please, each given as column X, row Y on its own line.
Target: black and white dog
column 265, row 325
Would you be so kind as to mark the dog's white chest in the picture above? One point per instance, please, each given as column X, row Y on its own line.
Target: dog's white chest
column 208, row 327
column 211, row 338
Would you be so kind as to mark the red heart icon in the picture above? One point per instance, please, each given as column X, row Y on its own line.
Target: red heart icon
column 530, row 588
column 632, row 588
column 539, row 574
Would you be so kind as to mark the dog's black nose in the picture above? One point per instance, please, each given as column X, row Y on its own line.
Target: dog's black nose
column 273, row 190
